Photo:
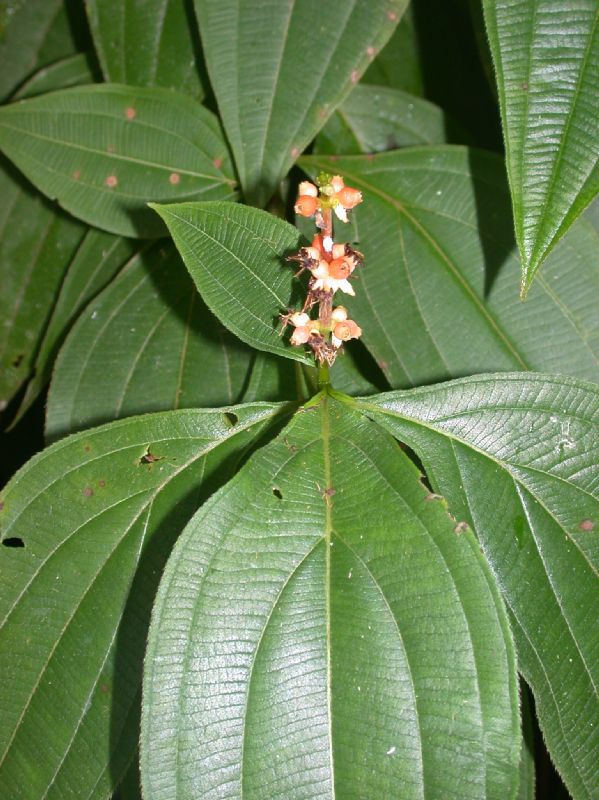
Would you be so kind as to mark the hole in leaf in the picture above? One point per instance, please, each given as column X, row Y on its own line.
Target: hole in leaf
column 231, row 419
column 277, row 493
column 13, row 541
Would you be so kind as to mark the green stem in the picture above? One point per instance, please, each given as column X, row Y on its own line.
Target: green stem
column 324, row 378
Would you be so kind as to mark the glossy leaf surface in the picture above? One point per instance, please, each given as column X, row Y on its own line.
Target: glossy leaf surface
column 236, row 257
column 546, row 57
column 437, row 297
column 375, row 118
column 36, row 246
column 280, row 68
column 86, row 527
column 306, row 644
column 529, row 447
column 146, row 43
column 104, row 151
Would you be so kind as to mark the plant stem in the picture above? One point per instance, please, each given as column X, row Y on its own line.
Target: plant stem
column 324, row 378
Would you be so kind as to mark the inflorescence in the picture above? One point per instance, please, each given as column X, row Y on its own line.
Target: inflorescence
column 330, row 267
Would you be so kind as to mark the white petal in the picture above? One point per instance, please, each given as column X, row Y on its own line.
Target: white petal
column 336, row 342
column 327, row 243
column 339, row 314
column 321, row 271
column 346, row 287
column 308, row 188
column 341, row 213
column 299, row 318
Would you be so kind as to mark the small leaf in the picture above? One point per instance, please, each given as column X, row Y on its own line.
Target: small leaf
column 436, row 295
column 528, row 446
column 96, row 261
column 374, row 118
column 37, row 243
column 96, row 516
column 147, row 44
column 104, row 151
column 147, row 343
column 280, row 69
column 546, row 58
column 309, row 643
column 236, row 257
column 70, row 71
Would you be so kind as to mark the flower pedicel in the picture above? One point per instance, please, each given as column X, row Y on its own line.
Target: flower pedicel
column 331, row 267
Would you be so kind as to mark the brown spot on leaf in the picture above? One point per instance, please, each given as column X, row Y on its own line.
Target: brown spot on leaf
column 130, row 112
column 87, row 448
column 295, row 151
column 18, row 360
column 110, row 148
column 77, row 174
column 370, row 52
column 460, row 527
column 101, row 484
column 88, row 491
column 355, row 76
column 586, row 525
column 104, row 688
column 111, row 181
column 149, row 458
column 174, row 178
column 1, row 505
column 433, row 496
column 525, row 86
column 391, row 15
column 218, row 162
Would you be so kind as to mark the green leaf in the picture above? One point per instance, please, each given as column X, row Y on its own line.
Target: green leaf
column 528, row 446
column 36, row 246
column 236, row 257
column 280, row 69
column 308, row 642
column 398, row 64
column 97, row 260
column 147, row 44
column 147, row 343
column 31, row 33
column 70, row 71
column 436, row 297
column 86, row 527
column 546, row 57
column 104, row 151
column 374, row 118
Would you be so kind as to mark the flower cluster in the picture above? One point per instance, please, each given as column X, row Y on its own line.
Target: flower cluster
column 330, row 267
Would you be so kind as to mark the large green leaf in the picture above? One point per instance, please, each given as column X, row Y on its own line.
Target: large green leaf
column 152, row 322
column 516, row 457
column 279, row 69
column 86, row 527
column 147, row 343
column 436, row 297
column 546, row 57
column 97, row 260
column 36, row 246
column 31, row 33
column 321, row 632
column 376, row 118
column 104, row 151
column 146, row 43
column 236, row 256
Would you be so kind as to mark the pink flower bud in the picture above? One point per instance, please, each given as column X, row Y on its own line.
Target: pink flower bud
column 337, row 183
column 343, row 331
column 349, row 197
column 306, row 205
column 307, row 188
